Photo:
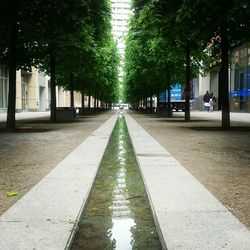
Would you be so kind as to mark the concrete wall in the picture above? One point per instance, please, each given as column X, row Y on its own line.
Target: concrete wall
column 33, row 91
column 18, row 91
column 204, row 84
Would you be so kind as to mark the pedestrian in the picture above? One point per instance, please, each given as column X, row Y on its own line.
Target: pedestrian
column 212, row 102
column 206, row 100
column 211, row 107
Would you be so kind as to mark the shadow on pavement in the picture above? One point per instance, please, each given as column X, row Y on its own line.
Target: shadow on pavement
column 232, row 129
column 25, row 130
column 181, row 121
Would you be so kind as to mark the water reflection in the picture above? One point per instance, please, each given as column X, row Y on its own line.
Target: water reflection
column 121, row 213
column 117, row 214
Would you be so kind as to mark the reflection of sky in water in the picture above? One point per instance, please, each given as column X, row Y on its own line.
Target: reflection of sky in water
column 122, row 234
column 121, row 214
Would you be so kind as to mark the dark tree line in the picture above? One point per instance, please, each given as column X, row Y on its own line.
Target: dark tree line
column 172, row 41
column 69, row 40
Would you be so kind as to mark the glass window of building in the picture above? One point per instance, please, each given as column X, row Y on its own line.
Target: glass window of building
column 240, row 80
column 3, row 87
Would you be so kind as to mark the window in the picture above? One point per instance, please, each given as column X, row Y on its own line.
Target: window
column 3, row 86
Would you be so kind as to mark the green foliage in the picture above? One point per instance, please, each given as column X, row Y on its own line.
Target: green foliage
column 77, row 34
column 154, row 60
column 160, row 31
column 16, row 13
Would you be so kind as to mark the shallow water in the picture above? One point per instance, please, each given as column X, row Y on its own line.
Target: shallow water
column 117, row 214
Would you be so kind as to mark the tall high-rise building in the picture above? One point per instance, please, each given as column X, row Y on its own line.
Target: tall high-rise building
column 120, row 16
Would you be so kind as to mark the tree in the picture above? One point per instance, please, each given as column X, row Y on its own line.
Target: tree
column 59, row 25
column 227, row 25
column 154, row 49
column 91, row 56
column 16, row 50
column 59, row 37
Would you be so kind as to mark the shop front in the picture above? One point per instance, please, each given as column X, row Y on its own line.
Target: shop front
column 240, row 80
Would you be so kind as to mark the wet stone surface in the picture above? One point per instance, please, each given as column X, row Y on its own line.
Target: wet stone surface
column 117, row 214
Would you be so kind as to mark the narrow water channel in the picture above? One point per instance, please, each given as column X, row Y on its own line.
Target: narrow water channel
column 117, row 214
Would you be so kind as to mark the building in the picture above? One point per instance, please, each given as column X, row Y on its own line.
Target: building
column 3, row 87
column 240, row 79
column 202, row 84
column 121, row 11
column 33, row 91
column 239, row 82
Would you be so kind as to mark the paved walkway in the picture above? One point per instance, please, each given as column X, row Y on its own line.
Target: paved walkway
column 46, row 216
column 187, row 215
column 25, row 115
column 216, row 115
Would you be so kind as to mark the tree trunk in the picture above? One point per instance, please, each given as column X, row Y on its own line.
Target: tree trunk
column 89, row 100
column 188, row 78
column 95, row 102
column 12, row 64
column 72, row 91
column 158, row 104
column 219, row 92
column 82, row 101
column 83, row 104
column 151, row 104
column 96, row 99
column 224, row 77
column 169, row 102
column 168, row 80
column 95, row 96
column 53, row 88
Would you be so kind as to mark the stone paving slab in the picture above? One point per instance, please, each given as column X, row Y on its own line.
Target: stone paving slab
column 187, row 214
column 46, row 216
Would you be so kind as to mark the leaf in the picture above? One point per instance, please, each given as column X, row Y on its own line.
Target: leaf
column 10, row 194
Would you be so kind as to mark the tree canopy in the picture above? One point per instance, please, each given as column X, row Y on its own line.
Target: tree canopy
column 174, row 40
column 61, row 38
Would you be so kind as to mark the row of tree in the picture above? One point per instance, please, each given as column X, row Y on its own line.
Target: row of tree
column 69, row 40
column 171, row 41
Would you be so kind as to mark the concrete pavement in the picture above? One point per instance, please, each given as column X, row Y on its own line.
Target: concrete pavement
column 46, row 216
column 25, row 115
column 215, row 115
column 187, row 215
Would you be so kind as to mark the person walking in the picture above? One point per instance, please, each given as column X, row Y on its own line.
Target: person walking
column 212, row 102
column 206, row 100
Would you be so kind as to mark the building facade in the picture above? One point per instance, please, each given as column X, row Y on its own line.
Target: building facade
column 3, row 88
column 240, row 80
column 120, row 18
column 121, row 11
column 202, row 84
column 33, row 92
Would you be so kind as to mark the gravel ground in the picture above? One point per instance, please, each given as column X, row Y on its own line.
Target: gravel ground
column 36, row 148
column 219, row 159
